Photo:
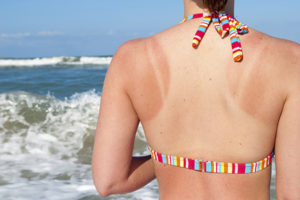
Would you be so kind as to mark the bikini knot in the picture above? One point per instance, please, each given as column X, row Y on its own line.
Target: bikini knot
column 224, row 24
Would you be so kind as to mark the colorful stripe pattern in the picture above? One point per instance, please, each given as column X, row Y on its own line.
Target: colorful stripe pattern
column 216, row 22
column 212, row 166
column 224, row 23
column 201, row 30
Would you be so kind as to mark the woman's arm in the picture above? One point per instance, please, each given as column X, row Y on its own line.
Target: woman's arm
column 114, row 169
column 140, row 173
column 287, row 147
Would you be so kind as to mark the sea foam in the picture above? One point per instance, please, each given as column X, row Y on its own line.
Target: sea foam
column 46, row 147
column 53, row 61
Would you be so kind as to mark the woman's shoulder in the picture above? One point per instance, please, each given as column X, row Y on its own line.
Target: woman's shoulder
column 279, row 52
column 139, row 51
column 280, row 57
column 274, row 51
column 130, row 52
column 281, row 45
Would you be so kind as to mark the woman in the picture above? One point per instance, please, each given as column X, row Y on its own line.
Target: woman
column 201, row 105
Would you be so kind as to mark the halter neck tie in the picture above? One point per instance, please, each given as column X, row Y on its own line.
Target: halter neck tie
column 224, row 24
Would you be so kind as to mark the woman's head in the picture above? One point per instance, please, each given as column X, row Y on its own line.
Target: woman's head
column 215, row 5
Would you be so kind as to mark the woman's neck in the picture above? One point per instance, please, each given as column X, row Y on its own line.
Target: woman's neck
column 197, row 6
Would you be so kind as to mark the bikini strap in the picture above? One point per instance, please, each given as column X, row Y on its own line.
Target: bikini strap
column 212, row 166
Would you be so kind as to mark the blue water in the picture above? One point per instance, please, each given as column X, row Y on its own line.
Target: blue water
column 59, row 81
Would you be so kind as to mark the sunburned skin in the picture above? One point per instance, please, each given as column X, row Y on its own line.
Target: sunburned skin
column 216, row 110
column 253, row 87
column 151, row 83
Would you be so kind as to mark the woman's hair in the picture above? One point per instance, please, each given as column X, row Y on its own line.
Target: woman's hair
column 215, row 5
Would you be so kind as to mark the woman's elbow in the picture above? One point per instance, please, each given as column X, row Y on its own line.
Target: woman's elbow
column 107, row 184
column 102, row 182
column 102, row 190
column 103, row 186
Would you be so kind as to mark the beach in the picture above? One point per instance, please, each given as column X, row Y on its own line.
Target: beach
column 49, row 109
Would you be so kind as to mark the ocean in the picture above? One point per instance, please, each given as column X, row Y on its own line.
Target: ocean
column 48, row 115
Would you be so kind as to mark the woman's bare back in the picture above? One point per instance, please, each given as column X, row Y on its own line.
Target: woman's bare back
column 201, row 104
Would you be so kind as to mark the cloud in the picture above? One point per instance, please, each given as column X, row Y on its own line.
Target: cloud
column 49, row 33
column 27, row 34
column 15, row 35
column 110, row 32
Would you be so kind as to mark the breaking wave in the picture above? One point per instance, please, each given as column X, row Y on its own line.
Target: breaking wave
column 46, row 147
column 32, row 62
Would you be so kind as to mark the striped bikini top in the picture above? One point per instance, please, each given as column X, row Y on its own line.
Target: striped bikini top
column 224, row 24
column 212, row 166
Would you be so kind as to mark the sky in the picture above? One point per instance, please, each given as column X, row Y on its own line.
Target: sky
column 46, row 28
